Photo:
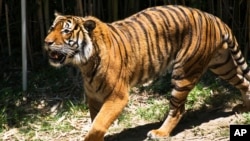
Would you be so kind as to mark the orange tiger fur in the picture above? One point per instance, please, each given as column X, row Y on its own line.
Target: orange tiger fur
column 113, row 57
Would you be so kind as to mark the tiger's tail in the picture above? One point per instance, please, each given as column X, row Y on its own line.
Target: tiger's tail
column 237, row 55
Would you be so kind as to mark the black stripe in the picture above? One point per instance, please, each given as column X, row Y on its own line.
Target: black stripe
column 240, row 58
column 126, row 56
column 125, row 30
column 217, row 23
column 184, row 88
column 116, row 40
column 94, row 71
column 234, row 52
column 151, row 21
column 221, row 64
column 240, row 81
column 176, row 102
column 132, row 25
column 227, row 72
column 231, row 44
column 176, row 24
column 125, row 61
column 209, row 46
column 167, row 37
column 134, row 35
column 245, row 71
column 149, row 46
column 187, row 22
column 231, row 77
column 179, row 63
column 141, row 25
column 164, row 51
column 103, row 83
column 198, row 49
column 184, row 75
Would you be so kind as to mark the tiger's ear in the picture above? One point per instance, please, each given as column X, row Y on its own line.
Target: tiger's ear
column 56, row 13
column 89, row 25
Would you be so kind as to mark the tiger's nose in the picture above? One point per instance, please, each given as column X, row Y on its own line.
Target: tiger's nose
column 48, row 41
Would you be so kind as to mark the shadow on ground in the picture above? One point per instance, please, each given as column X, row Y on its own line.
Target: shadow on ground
column 189, row 121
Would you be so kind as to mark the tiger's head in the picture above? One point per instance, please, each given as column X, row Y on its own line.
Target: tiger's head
column 68, row 40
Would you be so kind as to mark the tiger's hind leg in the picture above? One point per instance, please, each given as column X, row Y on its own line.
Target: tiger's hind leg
column 184, row 78
column 227, row 68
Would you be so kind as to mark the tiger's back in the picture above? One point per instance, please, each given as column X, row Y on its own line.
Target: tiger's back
column 159, row 38
column 113, row 57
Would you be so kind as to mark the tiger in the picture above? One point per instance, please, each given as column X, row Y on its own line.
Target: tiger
column 114, row 57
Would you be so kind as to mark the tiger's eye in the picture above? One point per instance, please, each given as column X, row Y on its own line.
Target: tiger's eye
column 66, row 31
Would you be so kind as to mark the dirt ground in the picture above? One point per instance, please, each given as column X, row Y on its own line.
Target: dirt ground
column 210, row 124
column 197, row 125
column 206, row 126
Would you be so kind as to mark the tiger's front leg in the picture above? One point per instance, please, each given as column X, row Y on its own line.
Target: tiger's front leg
column 109, row 111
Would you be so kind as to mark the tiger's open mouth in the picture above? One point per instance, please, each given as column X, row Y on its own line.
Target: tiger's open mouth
column 57, row 57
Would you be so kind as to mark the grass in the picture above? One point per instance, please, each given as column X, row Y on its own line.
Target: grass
column 41, row 126
column 47, row 107
column 54, row 107
column 154, row 109
column 246, row 117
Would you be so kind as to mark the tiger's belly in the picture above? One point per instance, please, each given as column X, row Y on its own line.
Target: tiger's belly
column 146, row 72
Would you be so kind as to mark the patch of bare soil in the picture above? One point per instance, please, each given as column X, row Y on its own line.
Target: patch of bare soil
column 195, row 126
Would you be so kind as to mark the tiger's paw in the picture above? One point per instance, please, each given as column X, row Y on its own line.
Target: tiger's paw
column 158, row 135
column 241, row 108
column 87, row 138
column 93, row 137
